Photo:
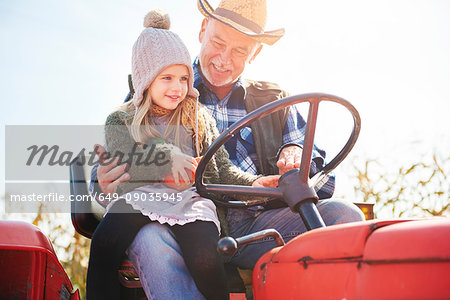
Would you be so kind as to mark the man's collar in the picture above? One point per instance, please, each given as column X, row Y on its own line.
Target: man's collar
column 198, row 79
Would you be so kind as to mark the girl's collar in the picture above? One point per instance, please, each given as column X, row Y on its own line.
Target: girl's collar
column 158, row 111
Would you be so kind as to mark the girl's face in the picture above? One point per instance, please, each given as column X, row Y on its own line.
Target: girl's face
column 170, row 86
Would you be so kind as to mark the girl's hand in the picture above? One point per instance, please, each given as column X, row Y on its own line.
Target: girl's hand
column 183, row 171
column 270, row 181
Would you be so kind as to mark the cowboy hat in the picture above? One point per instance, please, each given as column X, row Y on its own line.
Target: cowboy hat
column 246, row 16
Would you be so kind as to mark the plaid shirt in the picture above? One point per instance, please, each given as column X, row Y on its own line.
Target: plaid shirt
column 241, row 148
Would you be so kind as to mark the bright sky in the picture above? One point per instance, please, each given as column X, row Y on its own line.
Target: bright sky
column 66, row 62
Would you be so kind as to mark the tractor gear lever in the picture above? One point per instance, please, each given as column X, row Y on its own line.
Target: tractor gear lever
column 227, row 246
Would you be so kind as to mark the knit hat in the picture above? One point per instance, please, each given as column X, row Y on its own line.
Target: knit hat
column 156, row 49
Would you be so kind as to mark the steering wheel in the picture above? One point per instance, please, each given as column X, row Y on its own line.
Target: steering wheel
column 297, row 177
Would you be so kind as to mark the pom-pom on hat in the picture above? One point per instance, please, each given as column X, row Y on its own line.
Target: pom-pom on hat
column 155, row 49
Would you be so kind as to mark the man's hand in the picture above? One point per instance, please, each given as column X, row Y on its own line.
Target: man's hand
column 270, row 181
column 109, row 174
column 290, row 158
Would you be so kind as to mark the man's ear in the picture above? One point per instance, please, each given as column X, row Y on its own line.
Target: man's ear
column 201, row 34
column 255, row 54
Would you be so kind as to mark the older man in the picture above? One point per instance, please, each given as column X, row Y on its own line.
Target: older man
column 231, row 37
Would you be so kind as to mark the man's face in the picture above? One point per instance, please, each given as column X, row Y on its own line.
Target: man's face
column 224, row 52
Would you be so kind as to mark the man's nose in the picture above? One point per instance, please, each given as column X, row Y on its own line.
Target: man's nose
column 225, row 56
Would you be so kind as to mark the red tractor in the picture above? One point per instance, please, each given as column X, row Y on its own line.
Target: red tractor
column 389, row 259
column 30, row 268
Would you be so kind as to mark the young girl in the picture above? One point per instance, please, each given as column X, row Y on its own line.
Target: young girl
column 158, row 134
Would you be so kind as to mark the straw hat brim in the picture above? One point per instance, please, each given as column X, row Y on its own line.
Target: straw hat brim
column 266, row 37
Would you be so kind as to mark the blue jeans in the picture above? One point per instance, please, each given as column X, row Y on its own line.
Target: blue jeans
column 160, row 265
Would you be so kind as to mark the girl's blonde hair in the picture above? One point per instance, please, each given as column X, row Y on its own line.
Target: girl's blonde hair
column 142, row 126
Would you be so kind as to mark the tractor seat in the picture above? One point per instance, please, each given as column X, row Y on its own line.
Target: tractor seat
column 238, row 279
column 128, row 276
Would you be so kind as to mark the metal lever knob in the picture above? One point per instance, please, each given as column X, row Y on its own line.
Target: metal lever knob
column 227, row 246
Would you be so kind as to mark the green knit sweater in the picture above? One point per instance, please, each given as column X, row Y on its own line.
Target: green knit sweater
column 220, row 170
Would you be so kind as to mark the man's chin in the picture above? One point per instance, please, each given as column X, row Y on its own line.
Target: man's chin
column 219, row 82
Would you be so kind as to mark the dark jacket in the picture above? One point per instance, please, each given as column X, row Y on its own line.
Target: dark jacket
column 267, row 131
